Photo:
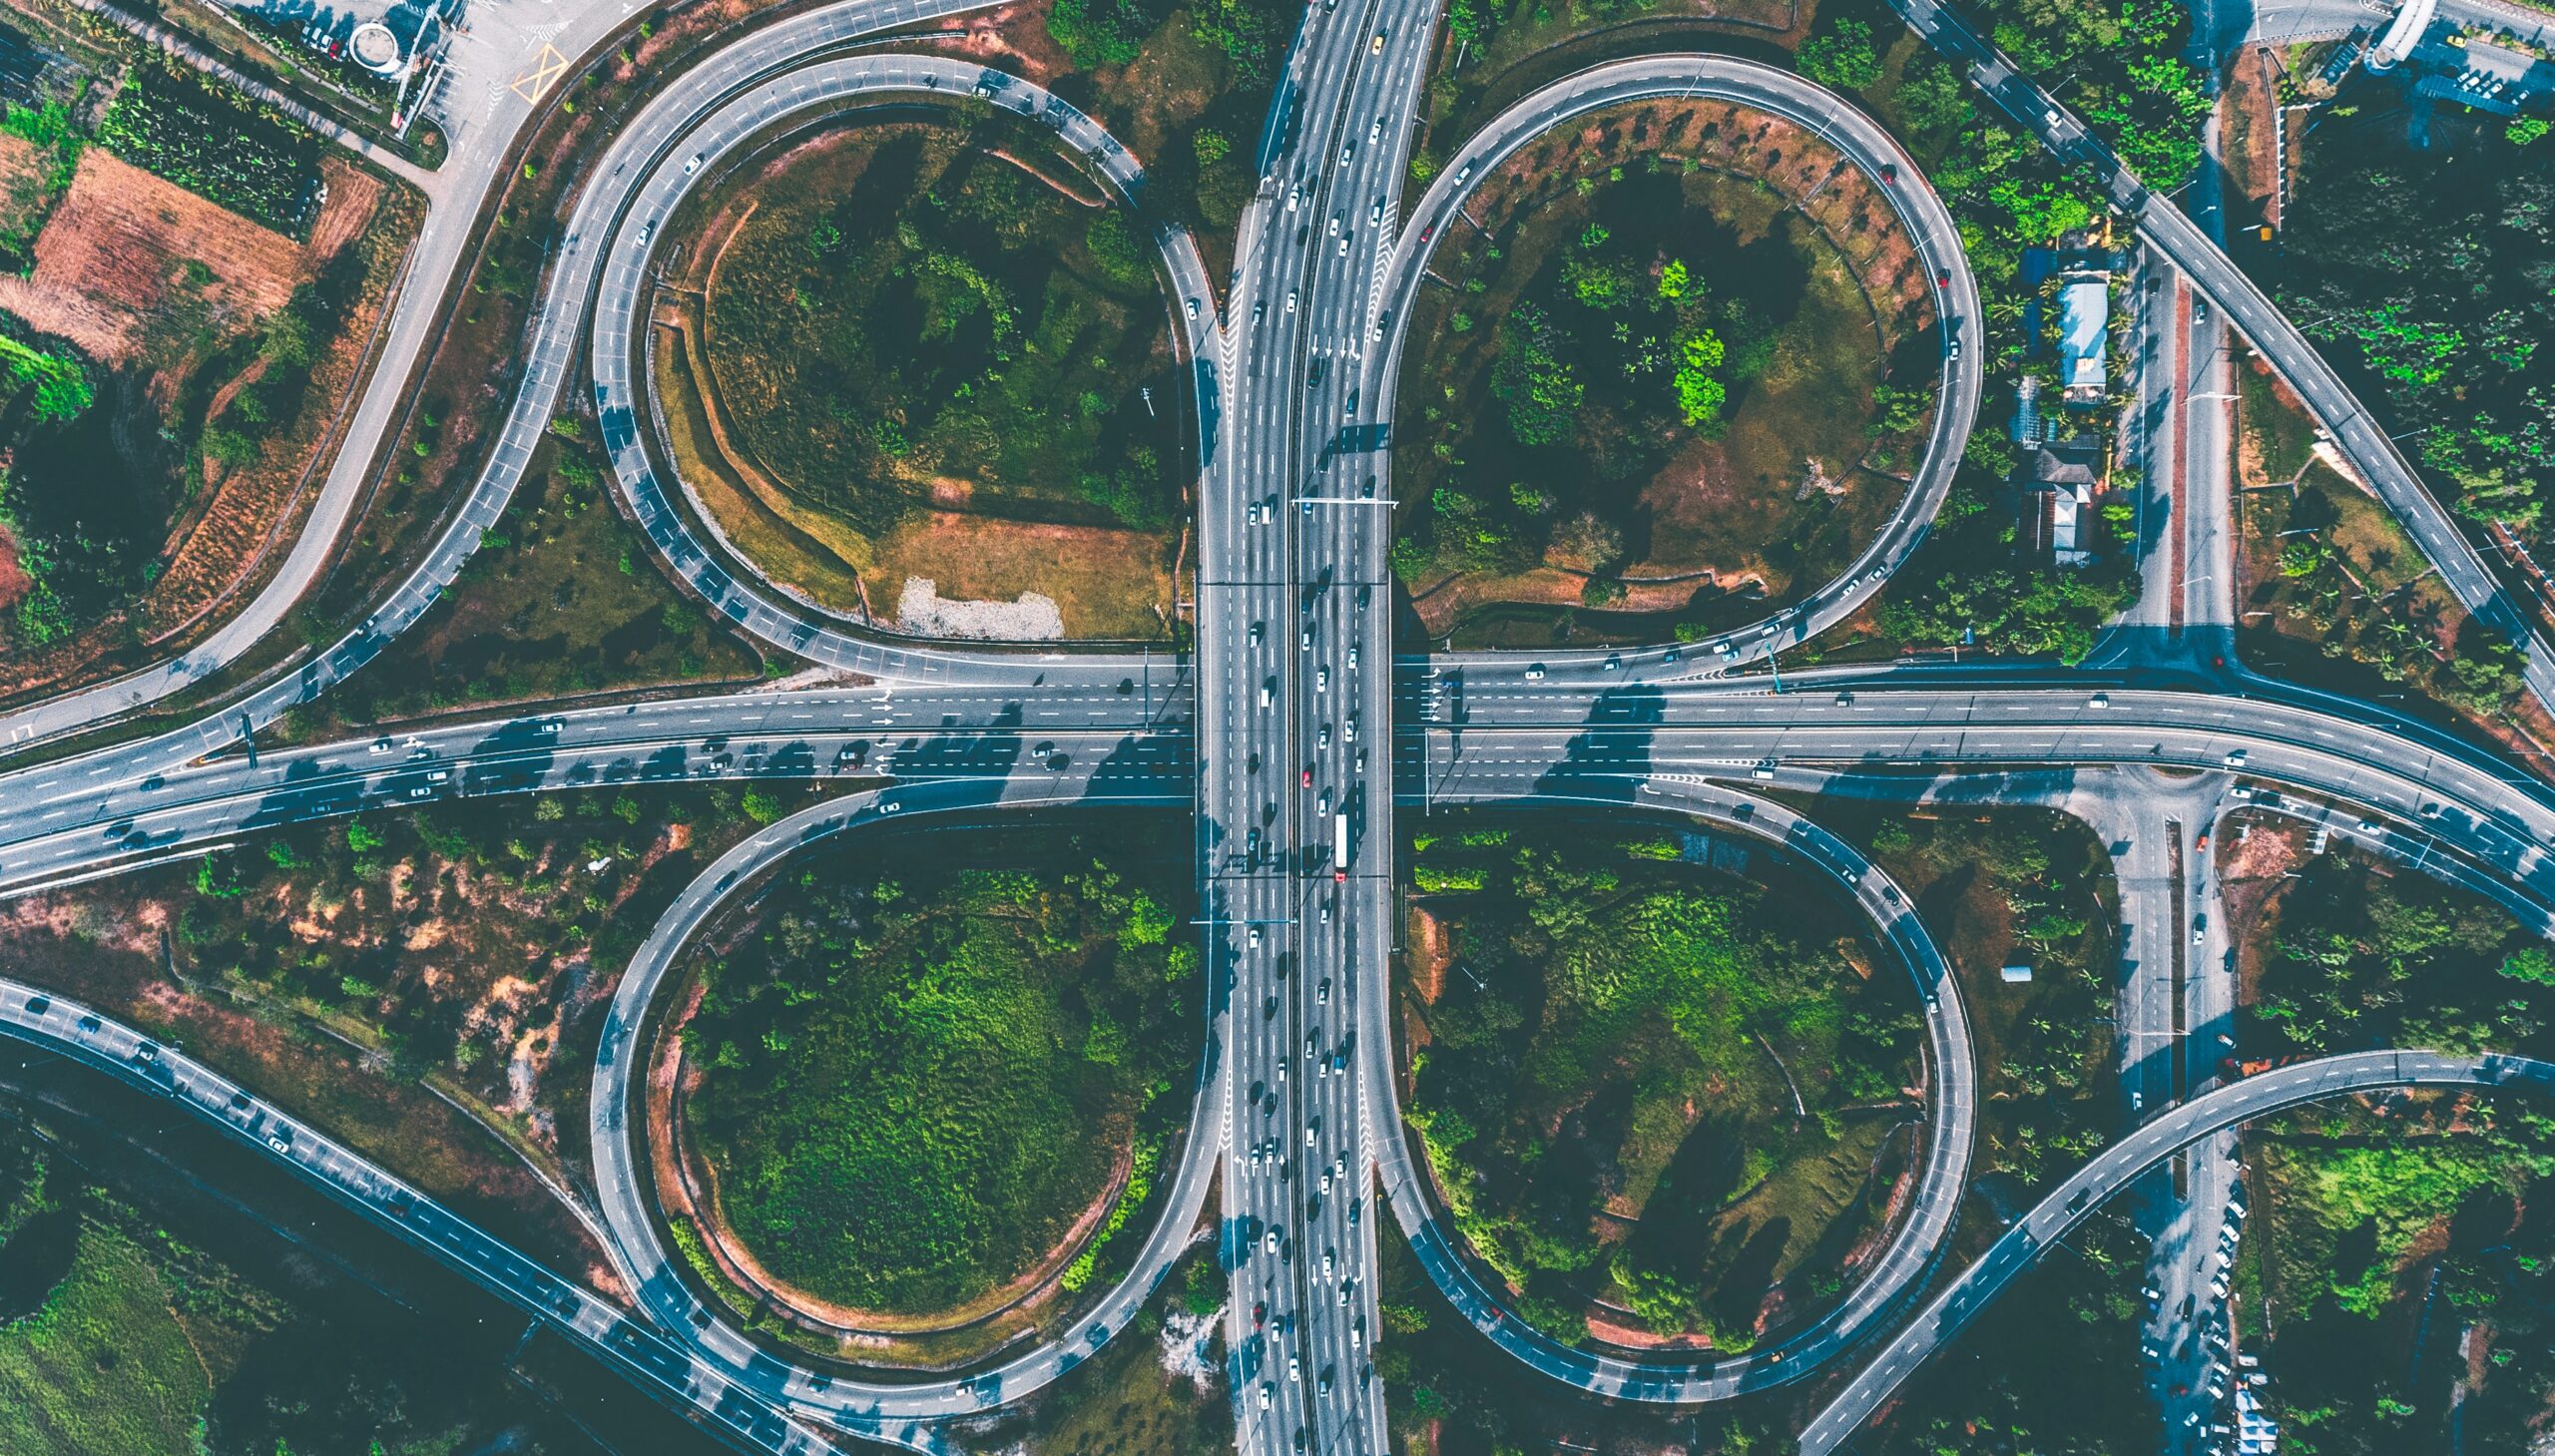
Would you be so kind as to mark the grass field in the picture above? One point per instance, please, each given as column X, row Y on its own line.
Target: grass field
column 917, row 1073
column 1614, row 1041
column 104, row 1365
column 1653, row 390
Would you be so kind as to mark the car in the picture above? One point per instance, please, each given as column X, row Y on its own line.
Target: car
column 1722, row 648
column 1889, row 893
column 1309, row 775
column 1942, row 277
column 1268, row 1394
column 647, row 231
column 1290, row 301
column 2201, row 844
column 1954, row 350
column 2235, row 757
column 1323, row 1385
column 380, row 746
column 1347, row 152
column 1254, row 937
column 1844, row 698
column 39, row 1005
column 1268, row 1240
column 1259, row 309
column 421, row 792
column 1377, row 214
column 2200, row 928
column 1334, row 223
column 1295, row 197
column 693, row 165
column 1295, row 1368
column 1375, row 47
column 1343, row 248
column 1889, row 172
column 1427, row 232
column 1321, row 997
column 2077, row 1203
column 2099, row 700
column 90, row 1024
column 1254, row 634
column 1281, row 1074
column 1322, row 680
column 1322, row 737
column 1535, row 672
column 1352, row 656
column 1192, row 308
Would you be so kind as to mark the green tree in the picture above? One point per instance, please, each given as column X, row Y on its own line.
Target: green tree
column 1842, row 55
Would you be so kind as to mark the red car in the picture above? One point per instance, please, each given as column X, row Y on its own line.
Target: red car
column 1427, row 232
column 1889, row 172
column 1259, row 1314
column 1942, row 277
column 1309, row 778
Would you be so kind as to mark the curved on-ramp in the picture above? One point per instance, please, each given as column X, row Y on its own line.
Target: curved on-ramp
column 710, row 1395
column 1912, row 1249
column 1863, row 142
column 622, row 1180
column 2114, row 1170
column 805, row 93
column 550, row 352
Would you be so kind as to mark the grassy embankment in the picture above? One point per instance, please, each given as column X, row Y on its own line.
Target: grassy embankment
column 915, row 1081
column 924, row 351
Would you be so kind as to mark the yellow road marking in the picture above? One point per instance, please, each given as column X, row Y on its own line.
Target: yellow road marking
column 545, row 70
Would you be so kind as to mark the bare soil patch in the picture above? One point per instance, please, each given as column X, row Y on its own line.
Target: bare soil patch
column 119, row 245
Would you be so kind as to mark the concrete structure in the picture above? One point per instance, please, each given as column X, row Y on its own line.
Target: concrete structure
column 375, row 49
column 2401, row 36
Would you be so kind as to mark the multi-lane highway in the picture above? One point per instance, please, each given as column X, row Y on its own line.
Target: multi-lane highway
column 1295, row 691
column 1285, row 721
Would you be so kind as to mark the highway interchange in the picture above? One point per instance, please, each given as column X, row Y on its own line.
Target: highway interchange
column 1294, row 718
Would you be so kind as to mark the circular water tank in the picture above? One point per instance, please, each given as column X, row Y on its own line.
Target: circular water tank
column 375, row 49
